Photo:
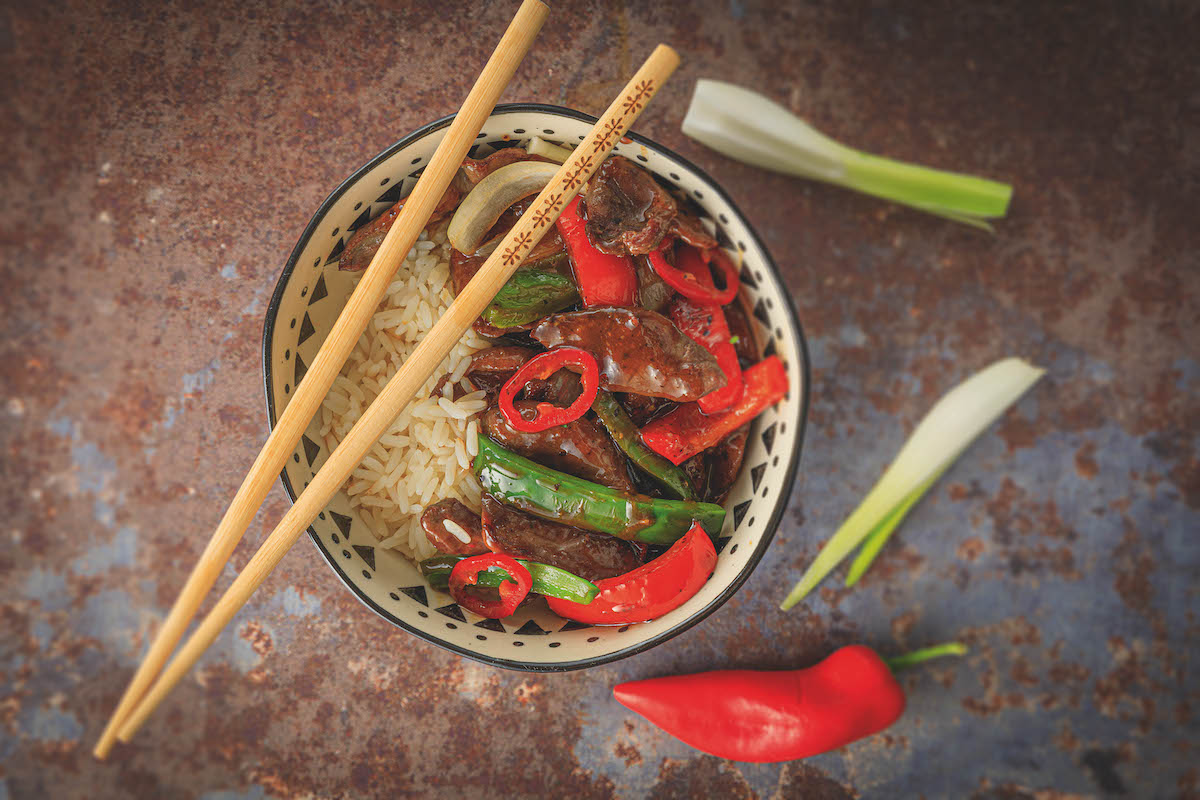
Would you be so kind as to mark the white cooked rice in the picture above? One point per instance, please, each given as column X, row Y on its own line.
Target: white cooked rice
column 425, row 455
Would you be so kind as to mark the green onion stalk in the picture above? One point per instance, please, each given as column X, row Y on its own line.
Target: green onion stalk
column 951, row 425
column 749, row 127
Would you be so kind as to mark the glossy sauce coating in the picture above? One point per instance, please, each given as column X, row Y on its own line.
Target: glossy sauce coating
column 628, row 212
column 637, row 351
column 434, row 520
column 589, row 555
column 580, row 448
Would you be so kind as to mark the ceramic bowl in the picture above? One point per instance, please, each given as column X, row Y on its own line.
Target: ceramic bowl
column 310, row 295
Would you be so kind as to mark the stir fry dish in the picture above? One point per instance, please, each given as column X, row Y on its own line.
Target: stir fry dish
column 607, row 399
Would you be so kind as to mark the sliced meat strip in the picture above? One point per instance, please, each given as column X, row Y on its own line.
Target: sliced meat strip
column 724, row 462
column 628, row 212
column 742, row 328
column 688, row 227
column 642, row 409
column 580, row 448
column 491, row 368
column 589, row 555
column 453, row 528
column 713, row 471
column 637, row 350
column 653, row 292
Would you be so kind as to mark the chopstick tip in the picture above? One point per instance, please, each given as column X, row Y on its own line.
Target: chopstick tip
column 538, row 7
column 103, row 748
column 667, row 52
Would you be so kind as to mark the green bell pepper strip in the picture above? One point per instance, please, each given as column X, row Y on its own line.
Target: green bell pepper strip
column 547, row 580
column 559, row 497
column 529, row 295
column 627, row 437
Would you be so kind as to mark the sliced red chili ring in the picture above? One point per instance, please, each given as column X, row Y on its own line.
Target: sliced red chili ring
column 512, row 591
column 542, row 366
column 688, row 286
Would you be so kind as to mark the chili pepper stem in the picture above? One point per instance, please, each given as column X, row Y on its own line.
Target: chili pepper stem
column 914, row 657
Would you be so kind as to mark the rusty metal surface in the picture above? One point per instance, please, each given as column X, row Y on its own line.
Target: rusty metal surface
column 160, row 162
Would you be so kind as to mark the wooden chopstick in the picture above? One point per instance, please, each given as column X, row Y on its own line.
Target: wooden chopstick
column 306, row 400
column 433, row 348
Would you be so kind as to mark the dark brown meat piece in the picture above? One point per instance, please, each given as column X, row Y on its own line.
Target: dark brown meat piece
column 580, row 448
column 628, row 212
column 492, row 367
column 653, row 292
column 724, row 460
column 366, row 240
column 434, row 520
column 637, row 351
column 740, row 326
column 550, row 245
column 696, row 470
column 688, row 227
column 642, row 409
column 589, row 555
column 462, row 268
column 560, row 389
column 713, row 471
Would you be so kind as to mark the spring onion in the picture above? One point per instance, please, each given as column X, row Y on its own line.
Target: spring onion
column 751, row 128
column 883, row 531
column 490, row 197
column 540, row 147
column 950, row 426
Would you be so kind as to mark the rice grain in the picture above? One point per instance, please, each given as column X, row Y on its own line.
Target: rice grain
column 426, row 453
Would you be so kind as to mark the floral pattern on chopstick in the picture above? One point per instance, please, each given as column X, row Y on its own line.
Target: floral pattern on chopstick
column 515, row 252
column 613, row 129
column 551, row 209
column 634, row 104
column 576, row 178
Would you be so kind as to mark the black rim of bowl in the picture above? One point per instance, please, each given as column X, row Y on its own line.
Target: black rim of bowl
column 780, row 502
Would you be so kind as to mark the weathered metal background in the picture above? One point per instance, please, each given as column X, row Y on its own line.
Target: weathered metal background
column 160, row 161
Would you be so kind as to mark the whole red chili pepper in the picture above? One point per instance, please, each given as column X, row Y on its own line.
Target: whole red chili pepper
column 542, row 366
column 512, row 591
column 603, row 279
column 689, row 287
column 762, row 716
column 705, row 324
column 652, row 589
column 685, row 431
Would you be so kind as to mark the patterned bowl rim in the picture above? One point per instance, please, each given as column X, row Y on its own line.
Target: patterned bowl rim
column 789, row 476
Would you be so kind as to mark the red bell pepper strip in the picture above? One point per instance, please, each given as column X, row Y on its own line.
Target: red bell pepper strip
column 652, row 589
column 603, row 280
column 687, row 284
column 763, row 716
column 704, row 323
column 542, row 366
column 687, row 430
column 512, row 591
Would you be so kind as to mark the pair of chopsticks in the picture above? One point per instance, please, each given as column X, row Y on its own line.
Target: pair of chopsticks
column 149, row 687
